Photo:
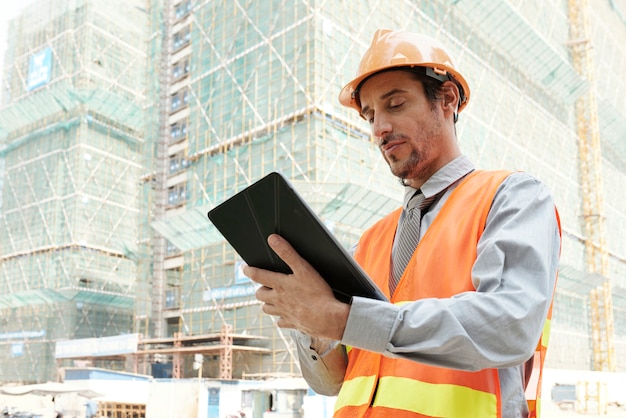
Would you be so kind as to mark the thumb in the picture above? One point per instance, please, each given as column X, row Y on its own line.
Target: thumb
column 286, row 252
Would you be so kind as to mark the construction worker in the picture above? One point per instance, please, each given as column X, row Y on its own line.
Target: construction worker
column 465, row 330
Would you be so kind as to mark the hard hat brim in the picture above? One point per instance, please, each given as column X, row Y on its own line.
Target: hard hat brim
column 348, row 96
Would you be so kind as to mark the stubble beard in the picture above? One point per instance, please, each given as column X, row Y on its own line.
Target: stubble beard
column 416, row 166
column 407, row 169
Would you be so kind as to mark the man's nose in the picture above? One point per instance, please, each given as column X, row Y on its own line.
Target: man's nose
column 381, row 126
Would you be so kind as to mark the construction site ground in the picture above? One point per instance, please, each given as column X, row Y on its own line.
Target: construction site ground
column 552, row 410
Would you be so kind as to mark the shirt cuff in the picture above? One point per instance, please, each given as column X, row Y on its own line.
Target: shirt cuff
column 369, row 325
column 319, row 346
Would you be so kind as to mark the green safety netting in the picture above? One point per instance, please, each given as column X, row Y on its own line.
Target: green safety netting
column 52, row 296
column 523, row 45
column 59, row 102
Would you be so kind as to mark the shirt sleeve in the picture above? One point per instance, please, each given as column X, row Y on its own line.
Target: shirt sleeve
column 323, row 362
column 500, row 323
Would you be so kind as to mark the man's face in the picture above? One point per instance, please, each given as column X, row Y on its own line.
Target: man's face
column 406, row 125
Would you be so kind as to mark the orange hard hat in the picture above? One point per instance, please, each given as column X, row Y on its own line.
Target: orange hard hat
column 391, row 49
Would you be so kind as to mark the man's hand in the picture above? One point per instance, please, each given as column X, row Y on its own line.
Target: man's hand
column 302, row 300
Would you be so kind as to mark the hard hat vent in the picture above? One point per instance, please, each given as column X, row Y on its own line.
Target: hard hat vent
column 399, row 59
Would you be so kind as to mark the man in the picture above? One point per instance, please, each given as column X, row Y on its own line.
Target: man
column 462, row 333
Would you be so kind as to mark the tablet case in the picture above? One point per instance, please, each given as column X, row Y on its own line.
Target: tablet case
column 272, row 205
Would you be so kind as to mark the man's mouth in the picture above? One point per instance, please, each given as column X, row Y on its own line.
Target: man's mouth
column 388, row 145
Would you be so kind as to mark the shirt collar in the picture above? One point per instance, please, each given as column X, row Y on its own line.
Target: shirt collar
column 442, row 179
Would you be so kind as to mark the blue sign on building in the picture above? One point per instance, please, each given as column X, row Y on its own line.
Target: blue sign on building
column 40, row 69
column 17, row 349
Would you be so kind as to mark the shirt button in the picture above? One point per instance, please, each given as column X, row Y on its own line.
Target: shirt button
column 314, row 357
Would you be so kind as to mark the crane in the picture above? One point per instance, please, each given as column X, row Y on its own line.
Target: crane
column 590, row 155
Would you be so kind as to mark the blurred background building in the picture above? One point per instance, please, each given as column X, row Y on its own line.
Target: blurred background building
column 123, row 122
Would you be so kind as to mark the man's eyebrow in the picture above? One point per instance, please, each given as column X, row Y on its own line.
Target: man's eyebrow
column 390, row 93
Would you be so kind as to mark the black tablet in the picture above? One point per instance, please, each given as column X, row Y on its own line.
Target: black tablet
column 272, row 205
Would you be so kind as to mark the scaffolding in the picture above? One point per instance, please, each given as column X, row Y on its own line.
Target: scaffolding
column 72, row 144
column 208, row 96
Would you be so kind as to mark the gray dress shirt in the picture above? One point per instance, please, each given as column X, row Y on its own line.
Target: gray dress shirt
column 498, row 326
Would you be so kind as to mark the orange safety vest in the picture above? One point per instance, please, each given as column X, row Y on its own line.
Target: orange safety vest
column 378, row 386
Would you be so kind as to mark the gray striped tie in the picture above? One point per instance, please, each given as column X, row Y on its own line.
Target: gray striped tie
column 409, row 236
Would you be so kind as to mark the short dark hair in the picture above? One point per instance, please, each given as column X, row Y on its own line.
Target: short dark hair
column 432, row 87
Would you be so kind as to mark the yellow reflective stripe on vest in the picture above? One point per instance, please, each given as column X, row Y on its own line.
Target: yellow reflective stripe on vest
column 355, row 392
column 545, row 337
column 437, row 400
column 538, row 407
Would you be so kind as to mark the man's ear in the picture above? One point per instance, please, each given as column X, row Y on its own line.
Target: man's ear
column 451, row 99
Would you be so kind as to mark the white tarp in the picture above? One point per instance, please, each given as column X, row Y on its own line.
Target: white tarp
column 49, row 388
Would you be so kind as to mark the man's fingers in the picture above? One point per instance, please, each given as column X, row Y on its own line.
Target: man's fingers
column 264, row 294
column 280, row 321
column 263, row 277
column 283, row 323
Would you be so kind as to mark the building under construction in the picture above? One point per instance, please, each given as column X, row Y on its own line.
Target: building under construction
column 124, row 122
